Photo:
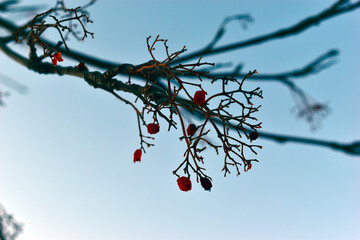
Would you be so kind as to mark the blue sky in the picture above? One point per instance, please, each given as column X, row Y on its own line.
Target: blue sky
column 66, row 149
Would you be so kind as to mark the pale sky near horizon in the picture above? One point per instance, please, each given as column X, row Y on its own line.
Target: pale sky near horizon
column 66, row 149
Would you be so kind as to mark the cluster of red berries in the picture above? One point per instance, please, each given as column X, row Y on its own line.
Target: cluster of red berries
column 56, row 57
column 184, row 183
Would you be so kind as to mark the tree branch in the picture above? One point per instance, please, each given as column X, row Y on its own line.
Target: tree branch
column 340, row 7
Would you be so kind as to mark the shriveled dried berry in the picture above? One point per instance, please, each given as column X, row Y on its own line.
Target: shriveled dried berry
column 206, row 183
column 253, row 136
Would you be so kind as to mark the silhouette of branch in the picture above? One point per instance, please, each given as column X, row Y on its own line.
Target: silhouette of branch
column 339, row 7
column 320, row 63
column 349, row 148
column 8, row 6
column 12, row 84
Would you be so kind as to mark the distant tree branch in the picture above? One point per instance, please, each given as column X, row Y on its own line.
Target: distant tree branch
column 320, row 63
column 339, row 7
column 348, row 148
column 9, row 227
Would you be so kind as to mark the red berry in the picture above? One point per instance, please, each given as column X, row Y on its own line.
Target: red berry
column 206, row 183
column 199, row 97
column 184, row 184
column 153, row 128
column 191, row 130
column 253, row 136
column 54, row 61
column 137, row 155
column 249, row 167
column 81, row 66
